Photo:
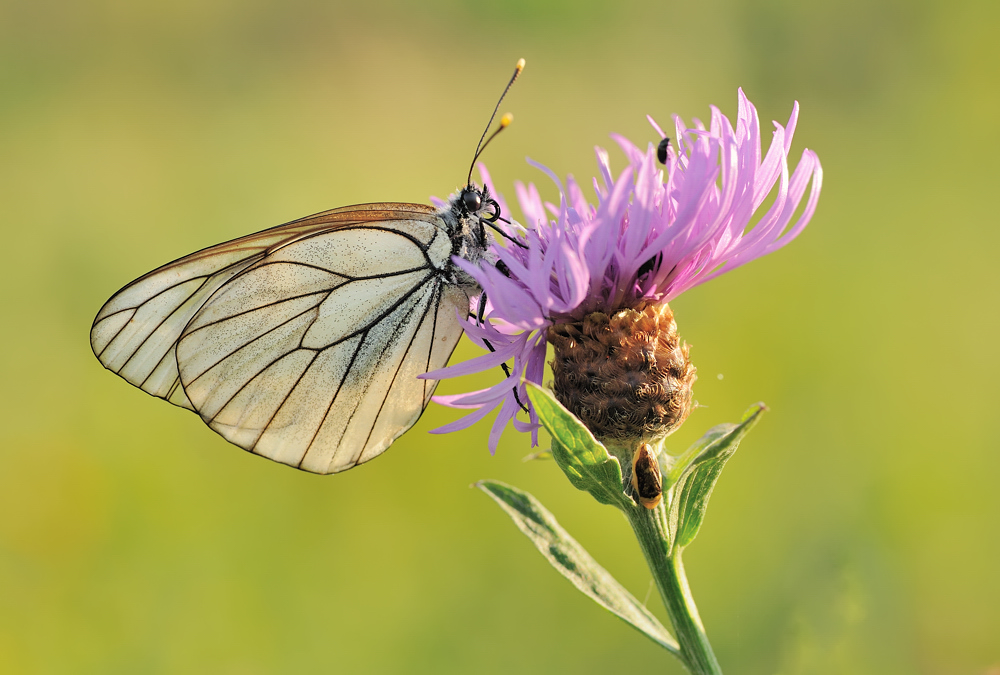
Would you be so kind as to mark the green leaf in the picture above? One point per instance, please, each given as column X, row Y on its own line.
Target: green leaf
column 573, row 562
column 694, row 476
column 582, row 458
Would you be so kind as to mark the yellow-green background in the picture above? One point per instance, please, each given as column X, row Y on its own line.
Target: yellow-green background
column 855, row 532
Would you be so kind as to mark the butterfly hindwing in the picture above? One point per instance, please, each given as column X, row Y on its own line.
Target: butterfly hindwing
column 310, row 357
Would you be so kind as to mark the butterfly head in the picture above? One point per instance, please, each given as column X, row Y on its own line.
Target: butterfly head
column 473, row 210
column 476, row 203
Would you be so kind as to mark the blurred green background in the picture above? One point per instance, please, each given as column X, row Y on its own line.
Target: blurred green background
column 855, row 532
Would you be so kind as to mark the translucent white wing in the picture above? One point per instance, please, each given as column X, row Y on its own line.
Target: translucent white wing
column 311, row 356
column 301, row 343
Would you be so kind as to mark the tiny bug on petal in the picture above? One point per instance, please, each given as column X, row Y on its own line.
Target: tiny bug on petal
column 661, row 150
column 646, row 479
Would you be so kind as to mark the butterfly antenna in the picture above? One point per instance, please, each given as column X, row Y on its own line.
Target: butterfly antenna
column 504, row 121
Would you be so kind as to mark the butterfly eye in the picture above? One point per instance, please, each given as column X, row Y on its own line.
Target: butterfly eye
column 471, row 199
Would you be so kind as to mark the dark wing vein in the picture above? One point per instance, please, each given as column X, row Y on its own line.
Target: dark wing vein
column 264, row 306
column 135, row 308
column 402, row 361
column 375, row 228
column 284, row 399
column 396, row 305
column 392, row 382
column 333, row 400
column 244, row 346
column 349, row 278
column 389, row 343
column 430, row 349
column 159, row 324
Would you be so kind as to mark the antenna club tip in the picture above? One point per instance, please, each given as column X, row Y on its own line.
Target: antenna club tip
column 520, row 65
column 506, row 120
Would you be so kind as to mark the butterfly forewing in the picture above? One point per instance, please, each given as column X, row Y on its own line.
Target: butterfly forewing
column 301, row 343
column 135, row 332
column 135, row 335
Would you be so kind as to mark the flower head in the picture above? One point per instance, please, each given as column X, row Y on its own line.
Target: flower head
column 646, row 240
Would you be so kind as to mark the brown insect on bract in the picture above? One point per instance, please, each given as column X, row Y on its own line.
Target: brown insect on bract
column 646, row 479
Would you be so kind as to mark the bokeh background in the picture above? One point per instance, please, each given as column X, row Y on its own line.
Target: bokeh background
column 856, row 531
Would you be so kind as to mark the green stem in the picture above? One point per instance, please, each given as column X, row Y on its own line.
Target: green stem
column 651, row 530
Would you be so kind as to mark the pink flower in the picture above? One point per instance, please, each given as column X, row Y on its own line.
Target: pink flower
column 648, row 238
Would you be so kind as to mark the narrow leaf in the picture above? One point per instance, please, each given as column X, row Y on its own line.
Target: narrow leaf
column 582, row 458
column 573, row 562
column 675, row 466
column 701, row 470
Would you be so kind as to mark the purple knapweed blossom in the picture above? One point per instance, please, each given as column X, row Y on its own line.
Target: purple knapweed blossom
column 646, row 239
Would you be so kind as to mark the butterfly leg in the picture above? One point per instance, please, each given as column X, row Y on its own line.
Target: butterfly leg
column 480, row 321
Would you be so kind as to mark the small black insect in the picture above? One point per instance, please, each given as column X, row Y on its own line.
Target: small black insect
column 661, row 151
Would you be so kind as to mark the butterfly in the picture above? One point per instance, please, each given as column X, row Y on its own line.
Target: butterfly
column 302, row 343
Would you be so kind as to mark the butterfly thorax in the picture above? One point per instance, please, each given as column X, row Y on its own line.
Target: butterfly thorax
column 467, row 228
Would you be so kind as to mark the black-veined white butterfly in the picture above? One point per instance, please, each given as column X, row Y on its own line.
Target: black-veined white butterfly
column 303, row 343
